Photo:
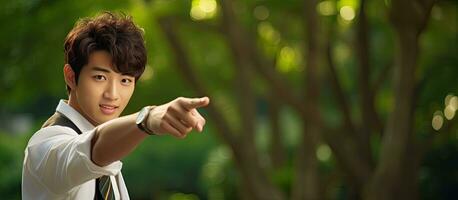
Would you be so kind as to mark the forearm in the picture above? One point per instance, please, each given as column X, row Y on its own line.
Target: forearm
column 115, row 139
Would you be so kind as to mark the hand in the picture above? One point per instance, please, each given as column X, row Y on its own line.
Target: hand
column 178, row 117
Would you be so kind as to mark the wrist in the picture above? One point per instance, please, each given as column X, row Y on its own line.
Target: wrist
column 143, row 120
column 149, row 122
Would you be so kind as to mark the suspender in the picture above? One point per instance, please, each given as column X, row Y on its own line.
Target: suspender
column 61, row 120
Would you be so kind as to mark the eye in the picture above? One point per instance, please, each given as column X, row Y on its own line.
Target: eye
column 99, row 77
column 126, row 81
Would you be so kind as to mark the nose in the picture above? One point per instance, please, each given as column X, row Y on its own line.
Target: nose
column 111, row 91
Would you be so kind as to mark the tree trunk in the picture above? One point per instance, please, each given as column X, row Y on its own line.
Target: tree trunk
column 369, row 117
column 409, row 18
column 253, row 177
column 307, row 180
column 398, row 135
column 344, row 141
column 277, row 149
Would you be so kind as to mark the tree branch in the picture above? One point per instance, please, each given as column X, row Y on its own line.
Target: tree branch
column 185, row 68
column 307, row 173
column 367, row 108
column 345, row 144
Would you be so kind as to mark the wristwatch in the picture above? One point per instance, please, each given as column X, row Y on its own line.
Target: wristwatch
column 142, row 117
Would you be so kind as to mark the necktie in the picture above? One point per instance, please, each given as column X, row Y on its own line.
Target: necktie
column 104, row 188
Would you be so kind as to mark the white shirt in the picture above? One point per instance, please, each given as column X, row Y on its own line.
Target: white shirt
column 58, row 165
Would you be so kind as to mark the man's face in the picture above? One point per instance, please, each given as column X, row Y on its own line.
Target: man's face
column 101, row 93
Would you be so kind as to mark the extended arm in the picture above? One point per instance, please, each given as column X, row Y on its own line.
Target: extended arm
column 117, row 138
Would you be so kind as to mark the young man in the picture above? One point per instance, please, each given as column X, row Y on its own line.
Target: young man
column 77, row 153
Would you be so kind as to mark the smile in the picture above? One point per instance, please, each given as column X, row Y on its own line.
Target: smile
column 108, row 109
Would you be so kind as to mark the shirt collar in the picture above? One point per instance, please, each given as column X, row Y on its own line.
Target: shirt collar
column 73, row 115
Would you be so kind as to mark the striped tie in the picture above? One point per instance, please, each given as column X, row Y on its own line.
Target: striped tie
column 104, row 189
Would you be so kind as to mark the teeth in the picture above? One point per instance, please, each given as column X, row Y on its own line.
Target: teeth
column 109, row 107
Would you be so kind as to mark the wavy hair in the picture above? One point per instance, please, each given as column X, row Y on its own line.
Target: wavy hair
column 114, row 33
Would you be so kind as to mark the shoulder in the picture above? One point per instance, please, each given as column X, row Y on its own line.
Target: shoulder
column 55, row 132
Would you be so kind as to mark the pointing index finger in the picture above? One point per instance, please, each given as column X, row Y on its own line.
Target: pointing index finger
column 195, row 103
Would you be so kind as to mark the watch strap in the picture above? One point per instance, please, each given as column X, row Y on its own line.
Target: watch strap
column 142, row 126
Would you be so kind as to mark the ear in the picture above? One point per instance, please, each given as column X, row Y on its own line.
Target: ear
column 69, row 76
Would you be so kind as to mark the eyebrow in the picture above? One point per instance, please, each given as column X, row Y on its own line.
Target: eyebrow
column 102, row 69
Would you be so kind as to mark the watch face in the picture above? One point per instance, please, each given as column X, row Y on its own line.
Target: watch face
column 141, row 115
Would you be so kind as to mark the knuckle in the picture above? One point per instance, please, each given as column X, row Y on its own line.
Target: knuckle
column 195, row 121
column 191, row 121
column 177, row 134
column 164, row 118
column 163, row 125
column 179, row 99
column 171, row 109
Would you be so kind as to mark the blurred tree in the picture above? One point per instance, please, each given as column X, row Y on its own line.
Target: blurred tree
column 377, row 179
column 303, row 100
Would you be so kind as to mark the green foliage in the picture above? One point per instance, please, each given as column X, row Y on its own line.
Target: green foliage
column 201, row 167
column 11, row 156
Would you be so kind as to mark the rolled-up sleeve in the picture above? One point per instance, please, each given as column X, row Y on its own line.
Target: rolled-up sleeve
column 61, row 159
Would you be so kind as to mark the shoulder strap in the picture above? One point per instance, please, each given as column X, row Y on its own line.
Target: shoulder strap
column 61, row 120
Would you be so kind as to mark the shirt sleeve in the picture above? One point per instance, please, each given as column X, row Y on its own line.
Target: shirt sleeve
column 61, row 159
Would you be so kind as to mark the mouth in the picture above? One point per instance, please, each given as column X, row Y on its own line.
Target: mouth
column 108, row 109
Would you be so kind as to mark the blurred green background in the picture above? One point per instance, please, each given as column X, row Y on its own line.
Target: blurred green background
column 310, row 99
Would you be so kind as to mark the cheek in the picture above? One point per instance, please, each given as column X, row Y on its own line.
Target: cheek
column 126, row 95
column 90, row 93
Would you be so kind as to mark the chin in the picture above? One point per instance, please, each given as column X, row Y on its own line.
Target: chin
column 105, row 119
column 102, row 119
